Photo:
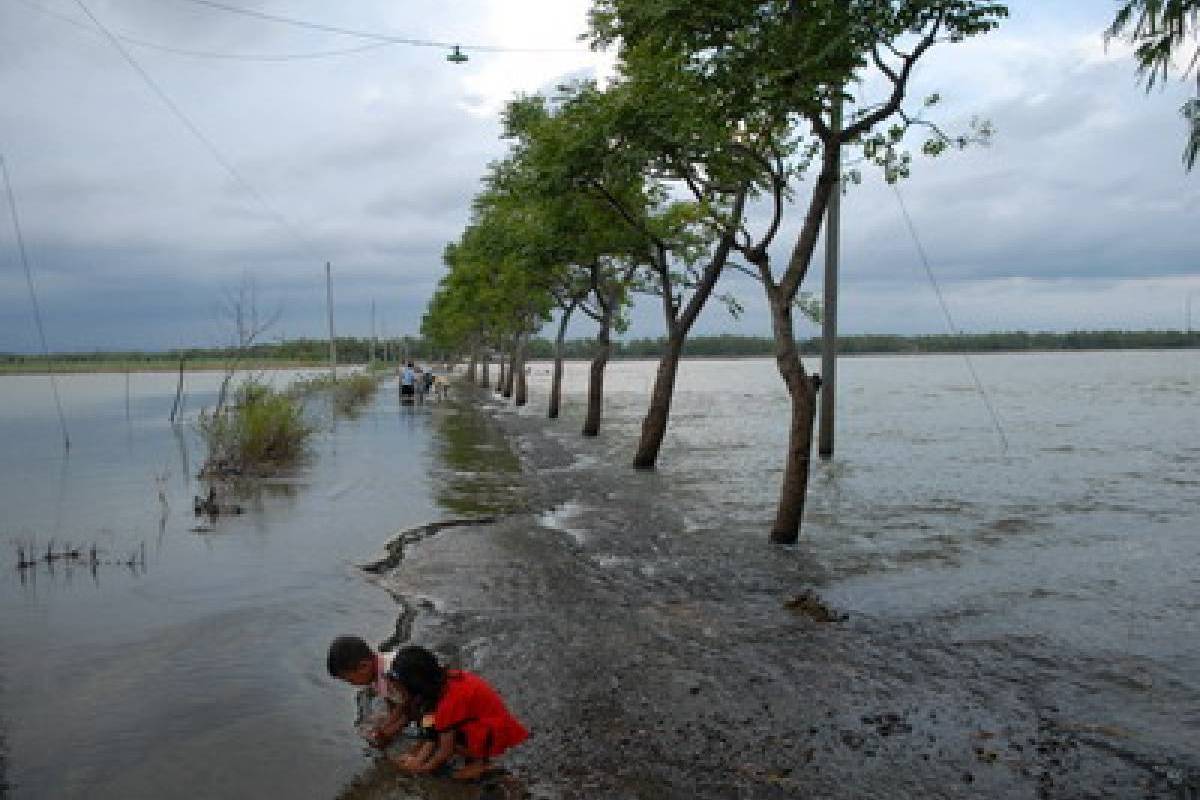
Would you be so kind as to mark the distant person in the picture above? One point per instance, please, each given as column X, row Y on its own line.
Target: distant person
column 381, row 713
column 460, row 714
column 428, row 377
column 419, row 383
column 408, row 380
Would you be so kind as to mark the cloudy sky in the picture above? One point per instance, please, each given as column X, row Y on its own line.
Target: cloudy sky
column 136, row 222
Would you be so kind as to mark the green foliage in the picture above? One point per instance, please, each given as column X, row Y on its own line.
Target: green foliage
column 261, row 431
column 1158, row 30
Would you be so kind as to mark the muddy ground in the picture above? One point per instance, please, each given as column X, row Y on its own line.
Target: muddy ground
column 652, row 660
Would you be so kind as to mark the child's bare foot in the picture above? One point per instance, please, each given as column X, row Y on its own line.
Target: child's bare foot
column 472, row 771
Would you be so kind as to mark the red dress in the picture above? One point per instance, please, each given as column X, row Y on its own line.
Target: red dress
column 472, row 708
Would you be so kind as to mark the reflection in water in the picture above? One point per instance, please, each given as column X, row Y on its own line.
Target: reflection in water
column 477, row 471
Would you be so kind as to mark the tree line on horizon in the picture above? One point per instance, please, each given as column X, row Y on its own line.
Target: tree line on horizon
column 352, row 350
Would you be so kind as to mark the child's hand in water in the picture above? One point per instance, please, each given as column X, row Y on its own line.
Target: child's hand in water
column 407, row 762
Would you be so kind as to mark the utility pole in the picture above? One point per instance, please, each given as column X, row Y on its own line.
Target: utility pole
column 1188, row 311
column 833, row 223
column 332, row 340
column 372, row 359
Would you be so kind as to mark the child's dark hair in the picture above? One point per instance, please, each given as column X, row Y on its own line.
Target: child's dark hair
column 346, row 653
column 418, row 671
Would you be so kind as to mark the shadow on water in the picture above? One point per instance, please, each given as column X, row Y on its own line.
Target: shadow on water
column 477, row 473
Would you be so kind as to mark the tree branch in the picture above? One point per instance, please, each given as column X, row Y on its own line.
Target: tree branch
column 899, row 86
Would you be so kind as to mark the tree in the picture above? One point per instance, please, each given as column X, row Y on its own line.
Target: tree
column 765, row 77
column 1158, row 30
column 607, row 146
column 585, row 243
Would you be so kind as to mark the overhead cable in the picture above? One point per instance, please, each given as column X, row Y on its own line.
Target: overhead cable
column 186, row 121
column 372, row 35
column 37, row 310
column 213, row 54
column 937, row 290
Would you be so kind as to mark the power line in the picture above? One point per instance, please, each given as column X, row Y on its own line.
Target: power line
column 213, row 54
column 37, row 311
column 937, row 290
column 371, row 35
column 212, row 149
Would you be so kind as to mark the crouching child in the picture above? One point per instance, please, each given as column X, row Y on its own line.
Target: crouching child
column 460, row 714
column 381, row 713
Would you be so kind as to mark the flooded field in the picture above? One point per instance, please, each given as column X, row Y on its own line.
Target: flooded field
column 200, row 672
column 1024, row 595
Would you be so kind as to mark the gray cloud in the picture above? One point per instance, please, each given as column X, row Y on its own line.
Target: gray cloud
column 373, row 158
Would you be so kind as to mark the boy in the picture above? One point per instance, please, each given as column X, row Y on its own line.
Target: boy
column 382, row 711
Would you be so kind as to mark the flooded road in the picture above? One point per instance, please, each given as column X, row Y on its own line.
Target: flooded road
column 201, row 673
column 1020, row 622
column 1083, row 534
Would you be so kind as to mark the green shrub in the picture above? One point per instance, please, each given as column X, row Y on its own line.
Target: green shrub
column 260, row 431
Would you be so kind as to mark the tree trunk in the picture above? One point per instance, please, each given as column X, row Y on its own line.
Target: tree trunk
column 501, row 363
column 591, row 424
column 556, row 381
column 510, row 377
column 794, row 491
column 471, row 371
column 485, row 380
column 521, row 393
column 654, row 426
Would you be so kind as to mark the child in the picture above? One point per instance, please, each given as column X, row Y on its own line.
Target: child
column 461, row 713
column 382, row 712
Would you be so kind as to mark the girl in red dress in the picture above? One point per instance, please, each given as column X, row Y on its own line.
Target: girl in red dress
column 461, row 714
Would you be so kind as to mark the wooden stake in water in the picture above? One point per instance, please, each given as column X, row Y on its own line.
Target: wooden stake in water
column 178, row 392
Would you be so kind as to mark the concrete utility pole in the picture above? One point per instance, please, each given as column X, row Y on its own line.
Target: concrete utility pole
column 332, row 340
column 833, row 223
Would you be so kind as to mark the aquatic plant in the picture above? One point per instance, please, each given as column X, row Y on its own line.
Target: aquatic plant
column 351, row 392
column 263, row 429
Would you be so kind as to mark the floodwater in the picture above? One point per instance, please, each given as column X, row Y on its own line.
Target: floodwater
column 1080, row 537
column 201, row 672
